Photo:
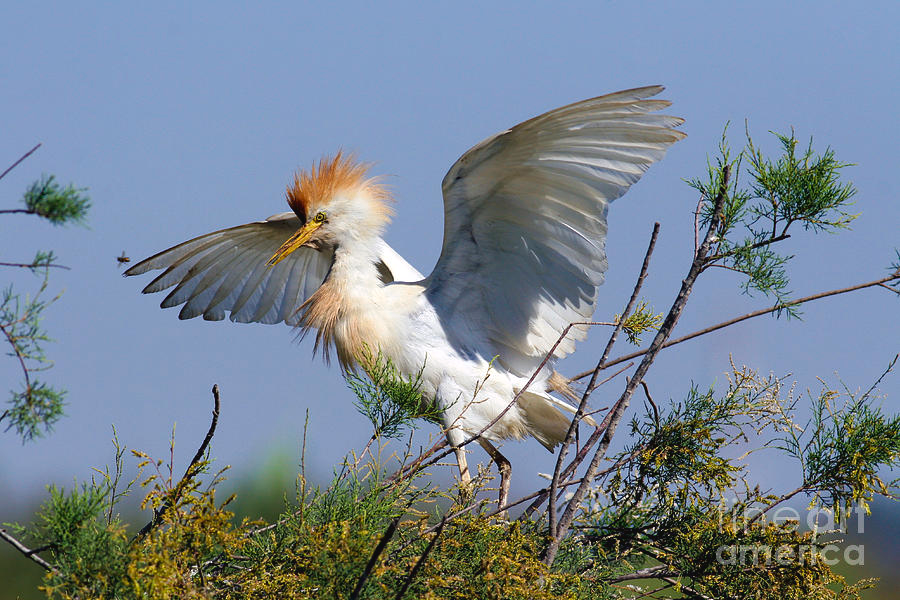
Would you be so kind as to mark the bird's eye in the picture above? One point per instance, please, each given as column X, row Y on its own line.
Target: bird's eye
column 319, row 218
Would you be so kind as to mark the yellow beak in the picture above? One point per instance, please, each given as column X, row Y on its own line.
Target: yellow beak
column 295, row 241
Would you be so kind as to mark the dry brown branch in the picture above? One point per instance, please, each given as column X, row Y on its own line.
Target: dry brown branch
column 417, row 465
column 34, row 266
column 27, row 552
column 662, row 335
column 422, row 558
column 750, row 315
column 657, row 572
column 382, row 543
column 579, row 413
column 189, row 472
column 16, row 164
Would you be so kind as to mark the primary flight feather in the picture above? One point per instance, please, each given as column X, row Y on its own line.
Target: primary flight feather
column 522, row 257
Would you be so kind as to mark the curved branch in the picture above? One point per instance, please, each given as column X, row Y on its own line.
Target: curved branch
column 27, row 552
column 189, row 472
column 16, row 164
column 750, row 315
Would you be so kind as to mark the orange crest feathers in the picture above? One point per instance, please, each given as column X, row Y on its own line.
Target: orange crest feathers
column 318, row 186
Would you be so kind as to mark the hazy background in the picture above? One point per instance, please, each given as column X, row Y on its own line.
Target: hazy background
column 186, row 120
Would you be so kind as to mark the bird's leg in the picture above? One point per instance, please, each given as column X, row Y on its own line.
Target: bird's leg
column 504, row 467
column 464, row 476
column 455, row 438
column 452, row 411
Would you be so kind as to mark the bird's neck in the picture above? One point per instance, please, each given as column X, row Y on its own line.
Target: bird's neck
column 347, row 309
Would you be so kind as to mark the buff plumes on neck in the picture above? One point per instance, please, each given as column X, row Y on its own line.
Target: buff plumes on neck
column 339, row 207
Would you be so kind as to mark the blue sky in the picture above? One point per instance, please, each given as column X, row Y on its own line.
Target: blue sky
column 183, row 120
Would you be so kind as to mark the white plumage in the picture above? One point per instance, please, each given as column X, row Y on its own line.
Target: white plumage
column 523, row 254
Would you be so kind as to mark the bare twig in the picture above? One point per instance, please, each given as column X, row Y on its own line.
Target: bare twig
column 20, row 356
column 657, row 572
column 415, row 465
column 889, row 288
column 27, row 552
column 662, row 334
column 685, row 588
column 189, row 472
column 421, row 561
column 32, row 265
column 418, row 464
column 579, row 456
column 778, row 501
column 579, row 413
column 750, row 315
column 771, row 240
column 16, row 164
column 697, row 224
column 652, row 403
column 613, row 376
column 385, row 538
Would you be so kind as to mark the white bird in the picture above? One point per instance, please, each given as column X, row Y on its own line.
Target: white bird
column 523, row 254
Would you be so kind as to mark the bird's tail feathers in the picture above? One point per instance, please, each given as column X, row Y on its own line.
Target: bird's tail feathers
column 547, row 424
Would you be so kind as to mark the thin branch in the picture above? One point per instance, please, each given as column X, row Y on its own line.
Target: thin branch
column 488, row 515
column 750, row 315
column 189, row 472
column 579, row 413
column 771, row 240
column 697, row 224
column 27, row 552
column 778, row 501
column 579, row 458
column 33, row 265
column 419, row 465
column 662, row 335
column 415, row 465
column 421, row 561
column 652, row 403
column 687, row 589
column 889, row 288
column 20, row 356
column 16, row 164
column 657, row 572
column 613, row 376
column 388, row 534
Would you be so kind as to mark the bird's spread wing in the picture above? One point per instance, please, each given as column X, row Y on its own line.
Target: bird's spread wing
column 525, row 220
column 226, row 271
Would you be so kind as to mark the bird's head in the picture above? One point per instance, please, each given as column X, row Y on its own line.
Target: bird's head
column 337, row 205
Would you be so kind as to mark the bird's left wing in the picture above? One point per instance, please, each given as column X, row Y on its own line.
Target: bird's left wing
column 226, row 271
column 525, row 221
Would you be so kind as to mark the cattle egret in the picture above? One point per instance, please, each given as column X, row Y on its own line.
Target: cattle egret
column 523, row 254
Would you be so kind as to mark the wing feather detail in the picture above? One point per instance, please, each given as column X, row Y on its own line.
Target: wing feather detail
column 525, row 220
column 226, row 271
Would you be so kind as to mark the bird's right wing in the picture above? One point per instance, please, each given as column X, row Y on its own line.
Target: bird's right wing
column 525, row 221
column 227, row 270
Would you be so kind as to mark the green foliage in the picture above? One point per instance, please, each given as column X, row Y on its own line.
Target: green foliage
column 59, row 205
column 641, row 320
column 658, row 513
column 678, row 501
column 37, row 406
column 895, row 269
column 803, row 188
column 676, row 512
column 391, row 402
column 794, row 188
column 842, row 447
